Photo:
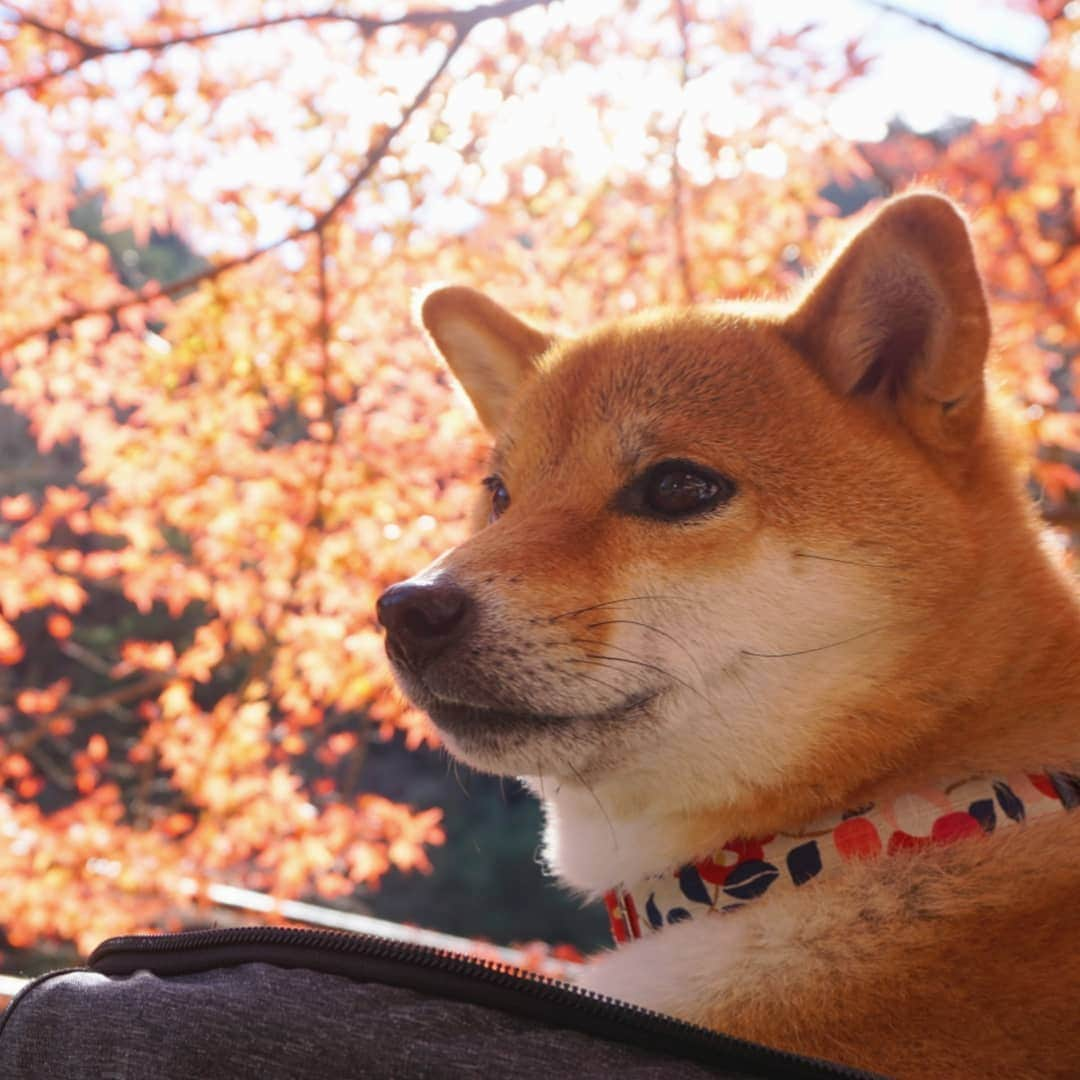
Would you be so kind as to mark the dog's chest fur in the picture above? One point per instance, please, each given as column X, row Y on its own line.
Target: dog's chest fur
column 893, row 964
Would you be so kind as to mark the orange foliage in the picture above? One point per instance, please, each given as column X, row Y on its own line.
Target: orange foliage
column 267, row 445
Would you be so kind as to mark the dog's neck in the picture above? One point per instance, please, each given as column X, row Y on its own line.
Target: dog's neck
column 598, row 836
column 600, row 833
column 595, row 839
column 1013, row 711
column 744, row 871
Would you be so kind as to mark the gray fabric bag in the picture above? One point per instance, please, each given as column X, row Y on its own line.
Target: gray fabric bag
column 267, row 1002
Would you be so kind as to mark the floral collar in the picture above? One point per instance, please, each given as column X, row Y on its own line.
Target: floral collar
column 745, row 870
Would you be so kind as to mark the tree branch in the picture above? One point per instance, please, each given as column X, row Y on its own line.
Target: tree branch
column 79, row 708
column 81, row 44
column 89, row 659
column 314, row 525
column 366, row 25
column 155, row 291
column 881, row 174
column 18, row 478
column 1027, row 66
column 1063, row 515
column 678, row 198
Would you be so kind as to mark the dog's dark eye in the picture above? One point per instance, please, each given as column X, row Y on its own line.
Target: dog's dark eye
column 500, row 497
column 677, row 489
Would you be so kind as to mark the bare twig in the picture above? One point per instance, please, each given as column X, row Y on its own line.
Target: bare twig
column 350, row 783
column 1063, row 515
column 314, row 524
column 35, row 473
column 1027, row 66
column 90, row 660
column 366, row 26
column 76, row 707
column 61, row 777
column 263, row 659
column 80, row 707
column 881, row 174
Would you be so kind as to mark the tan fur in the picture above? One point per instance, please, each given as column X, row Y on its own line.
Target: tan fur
column 872, row 611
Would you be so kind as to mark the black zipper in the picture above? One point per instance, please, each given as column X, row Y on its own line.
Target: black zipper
column 455, row 976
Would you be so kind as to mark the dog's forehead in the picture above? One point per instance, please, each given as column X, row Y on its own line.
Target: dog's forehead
column 664, row 384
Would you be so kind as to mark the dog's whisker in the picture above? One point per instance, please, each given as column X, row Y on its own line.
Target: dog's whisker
column 595, row 658
column 626, row 660
column 629, row 652
column 599, row 805
column 742, row 682
column 816, row 648
column 621, row 600
column 592, row 678
column 847, row 562
column 655, row 630
column 452, row 767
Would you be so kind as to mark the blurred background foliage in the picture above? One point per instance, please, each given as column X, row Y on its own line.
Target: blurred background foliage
column 221, row 437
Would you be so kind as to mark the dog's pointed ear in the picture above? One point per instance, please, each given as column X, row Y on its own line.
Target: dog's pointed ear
column 899, row 317
column 489, row 350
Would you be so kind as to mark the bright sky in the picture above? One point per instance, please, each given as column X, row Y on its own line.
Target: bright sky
column 917, row 75
column 920, row 75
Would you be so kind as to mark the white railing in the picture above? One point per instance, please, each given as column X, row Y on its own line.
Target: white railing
column 237, row 899
column 230, row 896
column 10, row 985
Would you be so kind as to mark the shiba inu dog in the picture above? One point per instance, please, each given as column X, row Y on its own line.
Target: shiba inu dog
column 757, row 605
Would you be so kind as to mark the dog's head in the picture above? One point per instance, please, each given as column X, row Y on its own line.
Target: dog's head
column 713, row 541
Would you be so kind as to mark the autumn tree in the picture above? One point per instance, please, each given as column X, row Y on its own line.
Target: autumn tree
column 231, row 466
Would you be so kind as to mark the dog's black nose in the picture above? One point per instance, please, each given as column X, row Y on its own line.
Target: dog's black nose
column 423, row 620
